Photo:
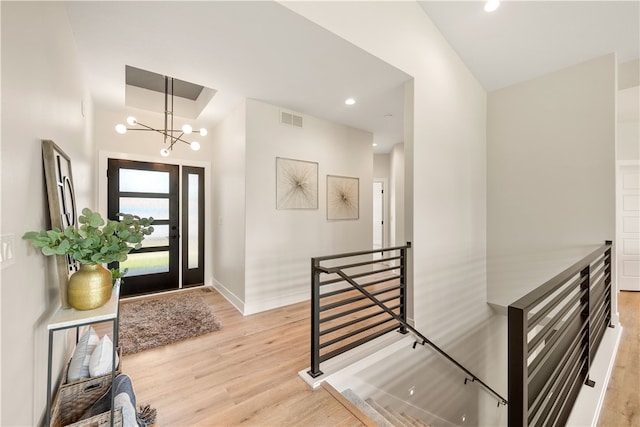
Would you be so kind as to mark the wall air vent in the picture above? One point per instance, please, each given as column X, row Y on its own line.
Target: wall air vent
column 290, row 119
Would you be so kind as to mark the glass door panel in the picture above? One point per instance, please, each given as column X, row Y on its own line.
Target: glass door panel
column 148, row 189
column 193, row 226
column 139, row 264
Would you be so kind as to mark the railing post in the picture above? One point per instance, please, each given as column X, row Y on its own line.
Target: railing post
column 607, row 282
column 517, row 368
column 403, row 287
column 585, row 275
column 315, row 319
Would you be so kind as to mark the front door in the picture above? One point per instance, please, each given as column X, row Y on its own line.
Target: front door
column 148, row 190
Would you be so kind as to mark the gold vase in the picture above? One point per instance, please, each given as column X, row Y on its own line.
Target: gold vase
column 90, row 287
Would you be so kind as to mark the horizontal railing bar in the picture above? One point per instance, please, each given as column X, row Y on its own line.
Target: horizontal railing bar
column 355, row 310
column 597, row 283
column 597, row 280
column 354, row 333
column 553, row 344
column 359, row 264
column 535, row 296
column 535, row 319
column 599, row 336
column 598, row 273
column 420, row 335
column 598, row 322
column 351, row 322
column 564, row 392
column 560, row 382
column 350, row 288
column 359, row 275
column 354, row 299
column 566, row 360
column 596, row 336
column 351, row 254
column 595, row 303
column 355, row 344
column 544, row 333
column 547, row 406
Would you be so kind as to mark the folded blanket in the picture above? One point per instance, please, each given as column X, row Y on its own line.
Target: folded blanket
column 124, row 398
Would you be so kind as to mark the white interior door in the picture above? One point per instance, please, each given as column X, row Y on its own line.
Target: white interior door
column 628, row 238
column 378, row 215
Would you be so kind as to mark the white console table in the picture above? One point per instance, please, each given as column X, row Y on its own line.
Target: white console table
column 72, row 318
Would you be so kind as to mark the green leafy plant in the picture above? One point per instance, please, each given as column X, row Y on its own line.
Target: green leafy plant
column 116, row 273
column 94, row 241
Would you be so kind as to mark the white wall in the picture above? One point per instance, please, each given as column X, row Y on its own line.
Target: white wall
column 381, row 165
column 280, row 243
column 396, row 184
column 628, row 140
column 551, row 175
column 43, row 97
column 229, row 198
column 445, row 157
column 628, row 114
column 629, row 74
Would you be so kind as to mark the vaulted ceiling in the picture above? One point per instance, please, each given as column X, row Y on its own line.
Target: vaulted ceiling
column 262, row 50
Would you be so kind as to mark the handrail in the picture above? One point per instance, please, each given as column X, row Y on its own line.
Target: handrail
column 424, row 339
column 554, row 332
column 396, row 310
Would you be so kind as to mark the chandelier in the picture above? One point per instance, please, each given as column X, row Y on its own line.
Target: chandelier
column 171, row 135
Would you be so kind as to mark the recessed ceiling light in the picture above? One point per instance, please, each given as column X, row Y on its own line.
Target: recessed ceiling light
column 491, row 5
column 350, row 101
column 374, row 144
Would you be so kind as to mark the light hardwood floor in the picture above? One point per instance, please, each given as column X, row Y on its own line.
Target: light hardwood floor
column 622, row 402
column 246, row 373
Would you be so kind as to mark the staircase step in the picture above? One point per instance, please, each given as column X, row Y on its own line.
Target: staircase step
column 363, row 406
column 408, row 419
column 416, row 422
column 393, row 419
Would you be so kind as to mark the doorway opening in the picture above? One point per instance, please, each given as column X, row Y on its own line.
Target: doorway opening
column 153, row 190
column 378, row 217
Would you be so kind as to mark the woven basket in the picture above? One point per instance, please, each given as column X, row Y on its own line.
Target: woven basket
column 74, row 398
column 101, row 420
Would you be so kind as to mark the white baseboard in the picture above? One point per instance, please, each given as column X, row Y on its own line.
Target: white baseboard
column 586, row 410
column 229, row 296
column 265, row 304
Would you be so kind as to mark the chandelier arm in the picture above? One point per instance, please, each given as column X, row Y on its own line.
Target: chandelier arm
column 178, row 138
column 173, row 139
column 149, row 128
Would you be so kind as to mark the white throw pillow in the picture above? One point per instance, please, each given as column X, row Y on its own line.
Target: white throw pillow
column 79, row 365
column 100, row 363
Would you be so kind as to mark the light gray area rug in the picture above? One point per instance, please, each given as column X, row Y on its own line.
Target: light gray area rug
column 151, row 322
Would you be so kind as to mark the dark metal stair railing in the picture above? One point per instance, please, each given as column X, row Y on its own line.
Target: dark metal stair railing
column 402, row 325
column 554, row 333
